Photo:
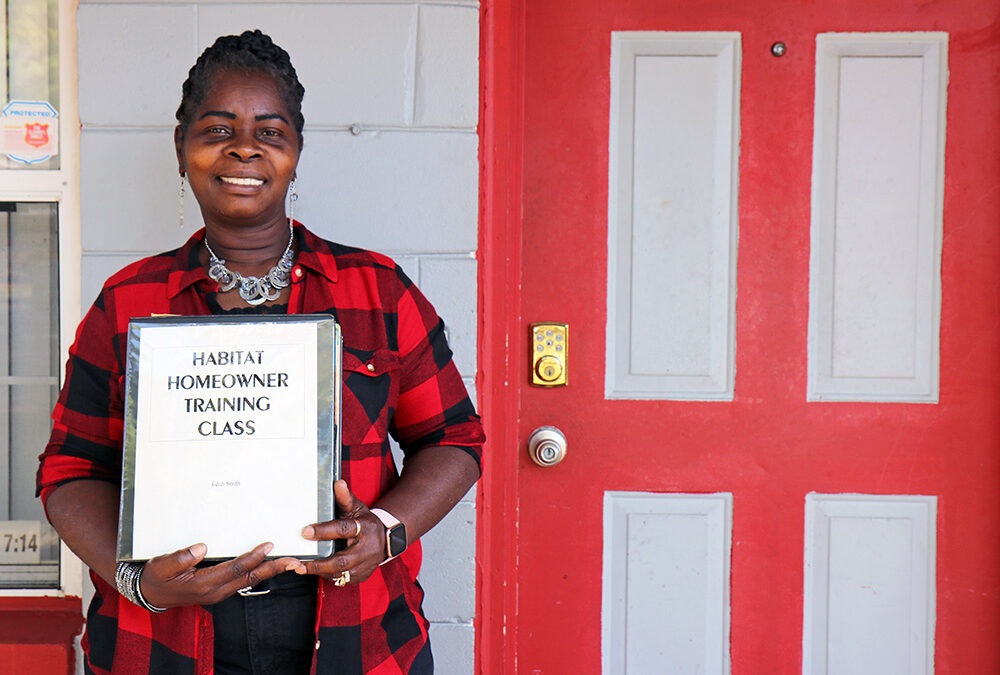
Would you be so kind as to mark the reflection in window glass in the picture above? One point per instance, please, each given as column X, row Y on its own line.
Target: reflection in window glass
column 29, row 37
column 29, row 382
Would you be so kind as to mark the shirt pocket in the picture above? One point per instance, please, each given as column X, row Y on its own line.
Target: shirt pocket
column 370, row 388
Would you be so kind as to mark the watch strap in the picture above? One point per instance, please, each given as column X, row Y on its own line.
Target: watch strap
column 394, row 530
column 387, row 518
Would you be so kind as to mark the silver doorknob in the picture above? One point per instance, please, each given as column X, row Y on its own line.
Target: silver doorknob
column 547, row 446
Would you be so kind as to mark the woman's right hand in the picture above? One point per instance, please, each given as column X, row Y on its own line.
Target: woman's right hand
column 173, row 580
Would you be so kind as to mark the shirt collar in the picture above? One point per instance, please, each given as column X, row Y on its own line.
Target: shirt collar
column 187, row 269
column 312, row 254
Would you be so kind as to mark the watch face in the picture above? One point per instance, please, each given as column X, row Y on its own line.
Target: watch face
column 397, row 540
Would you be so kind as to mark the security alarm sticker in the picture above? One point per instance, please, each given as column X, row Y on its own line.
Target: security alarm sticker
column 30, row 131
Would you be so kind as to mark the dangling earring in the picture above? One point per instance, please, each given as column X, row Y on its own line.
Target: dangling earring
column 293, row 197
column 180, row 201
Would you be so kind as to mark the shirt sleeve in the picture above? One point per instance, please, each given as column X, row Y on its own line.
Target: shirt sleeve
column 87, row 420
column 433, row 407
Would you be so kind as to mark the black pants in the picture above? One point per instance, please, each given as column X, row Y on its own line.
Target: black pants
column 273, row 634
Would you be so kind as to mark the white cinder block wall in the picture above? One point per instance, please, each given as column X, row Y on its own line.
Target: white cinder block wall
column 390, row 163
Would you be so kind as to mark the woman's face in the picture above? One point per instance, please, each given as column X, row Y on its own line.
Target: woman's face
column 240, row 150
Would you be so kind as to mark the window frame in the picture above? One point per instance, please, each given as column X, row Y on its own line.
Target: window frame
column 62, row 187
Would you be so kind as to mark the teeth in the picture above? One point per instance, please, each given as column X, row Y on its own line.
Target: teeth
column 241, row 181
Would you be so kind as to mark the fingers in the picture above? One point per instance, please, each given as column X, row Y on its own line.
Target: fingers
column 175, row 563
column 346, row 501
column 173, row 580
column 364, row 533
column 353, row 513
column 366, row 536
column 345, row 528
column 351, row 558
column 292, row 565
column 249, row 569
column 329, row 568
column 249, row 577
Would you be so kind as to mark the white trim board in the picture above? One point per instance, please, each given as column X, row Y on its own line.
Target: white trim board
column 672, row 215
column 869, row 585
column 877, row 204
column 665, row 589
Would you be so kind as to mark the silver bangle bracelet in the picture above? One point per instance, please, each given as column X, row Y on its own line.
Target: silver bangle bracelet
column 127, row 577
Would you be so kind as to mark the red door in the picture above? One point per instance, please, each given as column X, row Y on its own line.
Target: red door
column 545, row 78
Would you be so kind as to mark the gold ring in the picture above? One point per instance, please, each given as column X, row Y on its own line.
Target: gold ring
column 357, row 524
column 343, row 579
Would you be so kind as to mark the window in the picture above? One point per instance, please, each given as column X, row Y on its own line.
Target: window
column 29, row 375
column 39, row 275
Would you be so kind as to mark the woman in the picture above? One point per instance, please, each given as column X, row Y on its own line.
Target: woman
column 238, row 141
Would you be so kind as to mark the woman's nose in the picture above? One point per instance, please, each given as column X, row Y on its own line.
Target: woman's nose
column 244, row 147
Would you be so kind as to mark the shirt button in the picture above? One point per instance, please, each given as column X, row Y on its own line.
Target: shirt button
column 370, row 367
column 317, row 645
column 297, row 272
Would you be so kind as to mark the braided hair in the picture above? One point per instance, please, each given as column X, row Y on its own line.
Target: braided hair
column 250, row 51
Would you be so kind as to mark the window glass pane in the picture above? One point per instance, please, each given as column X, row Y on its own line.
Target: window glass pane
column 29, row 382
column 29, row 85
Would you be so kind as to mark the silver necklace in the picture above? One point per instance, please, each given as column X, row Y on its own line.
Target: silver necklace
column 254, row 290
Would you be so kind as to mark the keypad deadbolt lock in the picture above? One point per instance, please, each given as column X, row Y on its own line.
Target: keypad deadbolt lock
column 549, row 354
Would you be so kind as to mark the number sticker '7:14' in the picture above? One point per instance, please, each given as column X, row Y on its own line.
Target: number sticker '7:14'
column 20, row 542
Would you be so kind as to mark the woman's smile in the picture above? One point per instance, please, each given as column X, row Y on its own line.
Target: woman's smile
column 235, row 180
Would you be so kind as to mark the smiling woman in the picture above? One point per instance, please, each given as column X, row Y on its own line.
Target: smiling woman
column 241, row 159
column 238, row 141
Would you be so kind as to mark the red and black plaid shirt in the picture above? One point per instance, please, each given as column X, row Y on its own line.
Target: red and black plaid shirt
column 399, row 378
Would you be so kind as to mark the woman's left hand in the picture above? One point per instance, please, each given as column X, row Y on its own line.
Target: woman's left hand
column 365, row 535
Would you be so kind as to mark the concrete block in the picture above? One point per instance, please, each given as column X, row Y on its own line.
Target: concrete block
column 356, row 61
column 448, row 573
column 397, row 454
column 447, row 91
column 450, row 284
column 453, row 646
column 395, row 192
column 470, row 385
column 470, row 496
column 410, row 265
column 129, row 187
column 133, row 60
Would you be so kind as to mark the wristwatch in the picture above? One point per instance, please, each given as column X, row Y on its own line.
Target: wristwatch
column 395, row 534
